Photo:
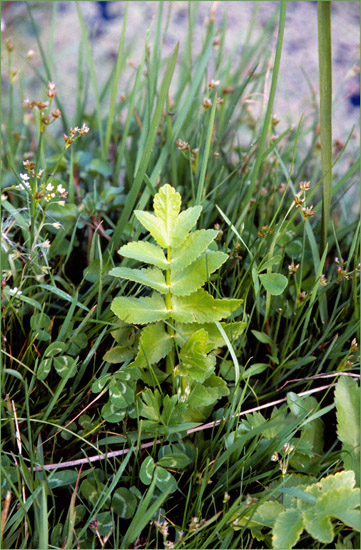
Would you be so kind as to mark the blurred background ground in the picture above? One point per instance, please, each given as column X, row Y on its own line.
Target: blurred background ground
column 60, row 33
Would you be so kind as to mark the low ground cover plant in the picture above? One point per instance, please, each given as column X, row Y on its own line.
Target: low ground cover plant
column 180, row 324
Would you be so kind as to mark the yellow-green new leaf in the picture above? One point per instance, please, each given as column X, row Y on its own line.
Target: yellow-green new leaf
column 167, row 204
column 215, row 338
column 194, row 360
column 140, row 311
column 194, row 245
column 154, row 225
column 155, row 343
column 287, row 529
column 186, row 220
column 151, row 277
column 201, row 307
column 195, row 275
column 144, row 252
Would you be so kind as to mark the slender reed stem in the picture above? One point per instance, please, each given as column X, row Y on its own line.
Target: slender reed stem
column 325, row 70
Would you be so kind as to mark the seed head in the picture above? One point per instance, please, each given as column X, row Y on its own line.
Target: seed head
column 207, row 103
column 292, row 268
column 182, row 145
column 308, row 212
column 9, row 45
column 298, row 201
column 212, row 84
column 305, row 185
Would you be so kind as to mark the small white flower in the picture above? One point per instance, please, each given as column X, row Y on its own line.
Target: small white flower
column 14, row 291
column 60, row 189
column 49, row 187
column 62, row 203
column 24, row 177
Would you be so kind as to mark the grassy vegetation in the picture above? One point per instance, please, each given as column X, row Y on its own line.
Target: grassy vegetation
column 229, row 416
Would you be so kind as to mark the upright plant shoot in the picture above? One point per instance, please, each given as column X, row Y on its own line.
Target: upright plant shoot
column 180, row 263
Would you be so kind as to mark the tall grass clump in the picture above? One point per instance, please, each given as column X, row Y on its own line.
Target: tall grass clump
column 180, row 325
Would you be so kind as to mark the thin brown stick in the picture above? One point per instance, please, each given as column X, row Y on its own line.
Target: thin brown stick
column 114, row 454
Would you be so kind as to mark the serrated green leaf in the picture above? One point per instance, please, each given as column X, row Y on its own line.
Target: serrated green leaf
column 165, row 480
column 350, row 518
column 208, row 393
column 274, row 283
column 155, row 343
column 140, row 310
column 124, row 503
column 150, row 405
column 194, row 360
column 194, row 276
column 154, row 225
column 145, row 252
column 167, row 204
column 172, row 413
column 186, row 220
column 320, row 528
column 146, row 471
column 267, row 513
column 335, row 501
column 201, row 307
column 345, row 479
column 287, row 529
column 194, row 245
column 214, row 339
column 151, row 277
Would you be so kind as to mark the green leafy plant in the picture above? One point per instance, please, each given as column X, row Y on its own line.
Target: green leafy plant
column 309, row 506
column 181, row 262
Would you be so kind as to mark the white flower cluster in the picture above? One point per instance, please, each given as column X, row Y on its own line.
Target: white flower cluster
column 51, row 191
column 24, row 182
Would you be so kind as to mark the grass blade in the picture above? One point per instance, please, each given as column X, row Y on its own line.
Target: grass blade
column 118, row 67
column 267, row 120
column 93, row 76
column 132, row 196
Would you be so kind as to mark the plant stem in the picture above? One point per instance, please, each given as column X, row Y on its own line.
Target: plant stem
column 168, row 305
column 325, row 69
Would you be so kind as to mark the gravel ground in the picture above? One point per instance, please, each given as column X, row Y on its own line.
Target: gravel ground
column 299, row 52
column 299, row 55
